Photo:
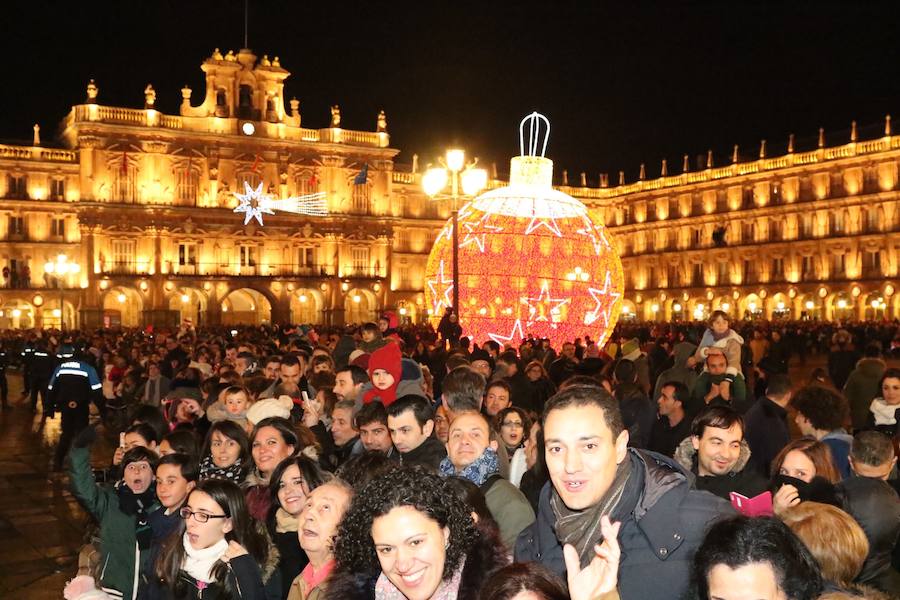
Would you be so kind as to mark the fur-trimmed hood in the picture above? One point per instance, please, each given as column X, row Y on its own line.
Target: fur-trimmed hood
column 686, row 456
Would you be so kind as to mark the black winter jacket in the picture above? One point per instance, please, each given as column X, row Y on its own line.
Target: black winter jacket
column 875, row 506
column 658, row 540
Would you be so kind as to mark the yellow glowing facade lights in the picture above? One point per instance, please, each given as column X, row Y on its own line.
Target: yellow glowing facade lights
column 121, row 298
column 555, row 270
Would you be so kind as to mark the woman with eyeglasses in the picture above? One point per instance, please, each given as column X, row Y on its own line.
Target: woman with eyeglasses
column 512, row 425
column 218, row 551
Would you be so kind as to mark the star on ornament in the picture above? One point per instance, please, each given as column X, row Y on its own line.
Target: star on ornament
column 253, row 203
column 544, row 308
column 442, row 297
column 548, row 222
column 599, row 310
column 596, row 234
column 477, row 238
column 515, row 334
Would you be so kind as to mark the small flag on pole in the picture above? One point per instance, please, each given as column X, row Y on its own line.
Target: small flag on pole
column 363, row 176
column 313, row 182
column 255, row 164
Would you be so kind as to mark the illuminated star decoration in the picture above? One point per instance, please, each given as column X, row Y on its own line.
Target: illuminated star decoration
column 515, row 334
column 252, row 203
column 548, row 222
column 544, row 308
column 600, row 310
column 478, row 238
column 442, row 297
column 596, row 235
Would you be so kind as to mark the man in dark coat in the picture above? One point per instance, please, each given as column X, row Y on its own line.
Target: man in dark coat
column 637, row 411
column 718, row 455
column 594, row 473
column 411, row 423
column 869, row 499
column 765, row 424
column 672, row 425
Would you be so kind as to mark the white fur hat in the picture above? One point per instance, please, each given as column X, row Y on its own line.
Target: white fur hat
column 270, row 407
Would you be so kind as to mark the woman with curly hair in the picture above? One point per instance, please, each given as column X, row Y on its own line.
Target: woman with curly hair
column 408, row 536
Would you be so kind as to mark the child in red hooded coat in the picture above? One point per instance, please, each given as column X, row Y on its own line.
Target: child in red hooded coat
column 392, row 376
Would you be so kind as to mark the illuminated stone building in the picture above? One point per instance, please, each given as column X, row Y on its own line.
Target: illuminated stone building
column 132, row 222
column 802, row 235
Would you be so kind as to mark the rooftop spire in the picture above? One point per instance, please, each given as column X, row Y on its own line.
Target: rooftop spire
column 790, row 143
column 643, row 172
column 709, row 159
column 853, row 136
column 734, row 155
column 686, row 164
column 887, row 125
column 762, row 149
column 664, row 171
column 821, row 137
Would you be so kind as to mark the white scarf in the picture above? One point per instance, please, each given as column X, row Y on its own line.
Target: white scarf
column 883, row 412
column 199, row 563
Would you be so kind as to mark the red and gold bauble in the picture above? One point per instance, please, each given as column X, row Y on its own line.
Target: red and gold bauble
column 531, row 261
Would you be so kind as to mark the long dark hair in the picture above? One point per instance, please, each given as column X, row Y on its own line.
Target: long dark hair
column 309, row 470
column 244, row 530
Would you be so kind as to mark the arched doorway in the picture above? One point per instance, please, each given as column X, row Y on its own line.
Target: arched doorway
column 359, row 306
column 752, row 307
column 843, row 306
column 16, row 314
column 306, row 306
column 52, row 317
column 781, row 306
column 875, row 307
column 246, row 306
column 190, row 303
column 629, row 312
column 122, row 307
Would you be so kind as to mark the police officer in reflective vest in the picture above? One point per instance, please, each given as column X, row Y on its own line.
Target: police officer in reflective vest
column 42, row 365
column 72, row 388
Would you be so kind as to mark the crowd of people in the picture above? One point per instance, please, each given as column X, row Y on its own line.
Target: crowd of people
column 675, row 461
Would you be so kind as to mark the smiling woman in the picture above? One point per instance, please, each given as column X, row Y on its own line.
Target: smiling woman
column 407, row 535
column 290, row 485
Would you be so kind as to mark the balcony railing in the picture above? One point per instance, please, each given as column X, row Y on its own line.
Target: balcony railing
column 203, row 269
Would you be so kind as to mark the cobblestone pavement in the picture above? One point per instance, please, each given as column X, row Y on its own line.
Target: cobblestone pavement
column 42, row 525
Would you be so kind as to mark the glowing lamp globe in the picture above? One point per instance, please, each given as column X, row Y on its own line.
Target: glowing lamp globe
column 531, row 260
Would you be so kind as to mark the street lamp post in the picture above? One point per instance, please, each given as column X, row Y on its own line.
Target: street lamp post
column 460, row 174
column 60, row 268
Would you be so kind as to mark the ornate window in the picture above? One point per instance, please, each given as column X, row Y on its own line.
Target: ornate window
column 57, row 189
column 188, row 185
column 125, row 189
column 123, row 255
column 359, row 257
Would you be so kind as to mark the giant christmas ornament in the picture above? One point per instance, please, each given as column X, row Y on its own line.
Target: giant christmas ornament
column 531, row 259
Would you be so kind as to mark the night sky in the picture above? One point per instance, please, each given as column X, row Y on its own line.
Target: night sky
column 620, row 86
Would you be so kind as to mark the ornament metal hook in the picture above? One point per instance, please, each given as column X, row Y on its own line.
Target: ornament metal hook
column 534, row 134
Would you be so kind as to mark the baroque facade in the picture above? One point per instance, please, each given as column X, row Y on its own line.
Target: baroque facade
column 132, row 221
